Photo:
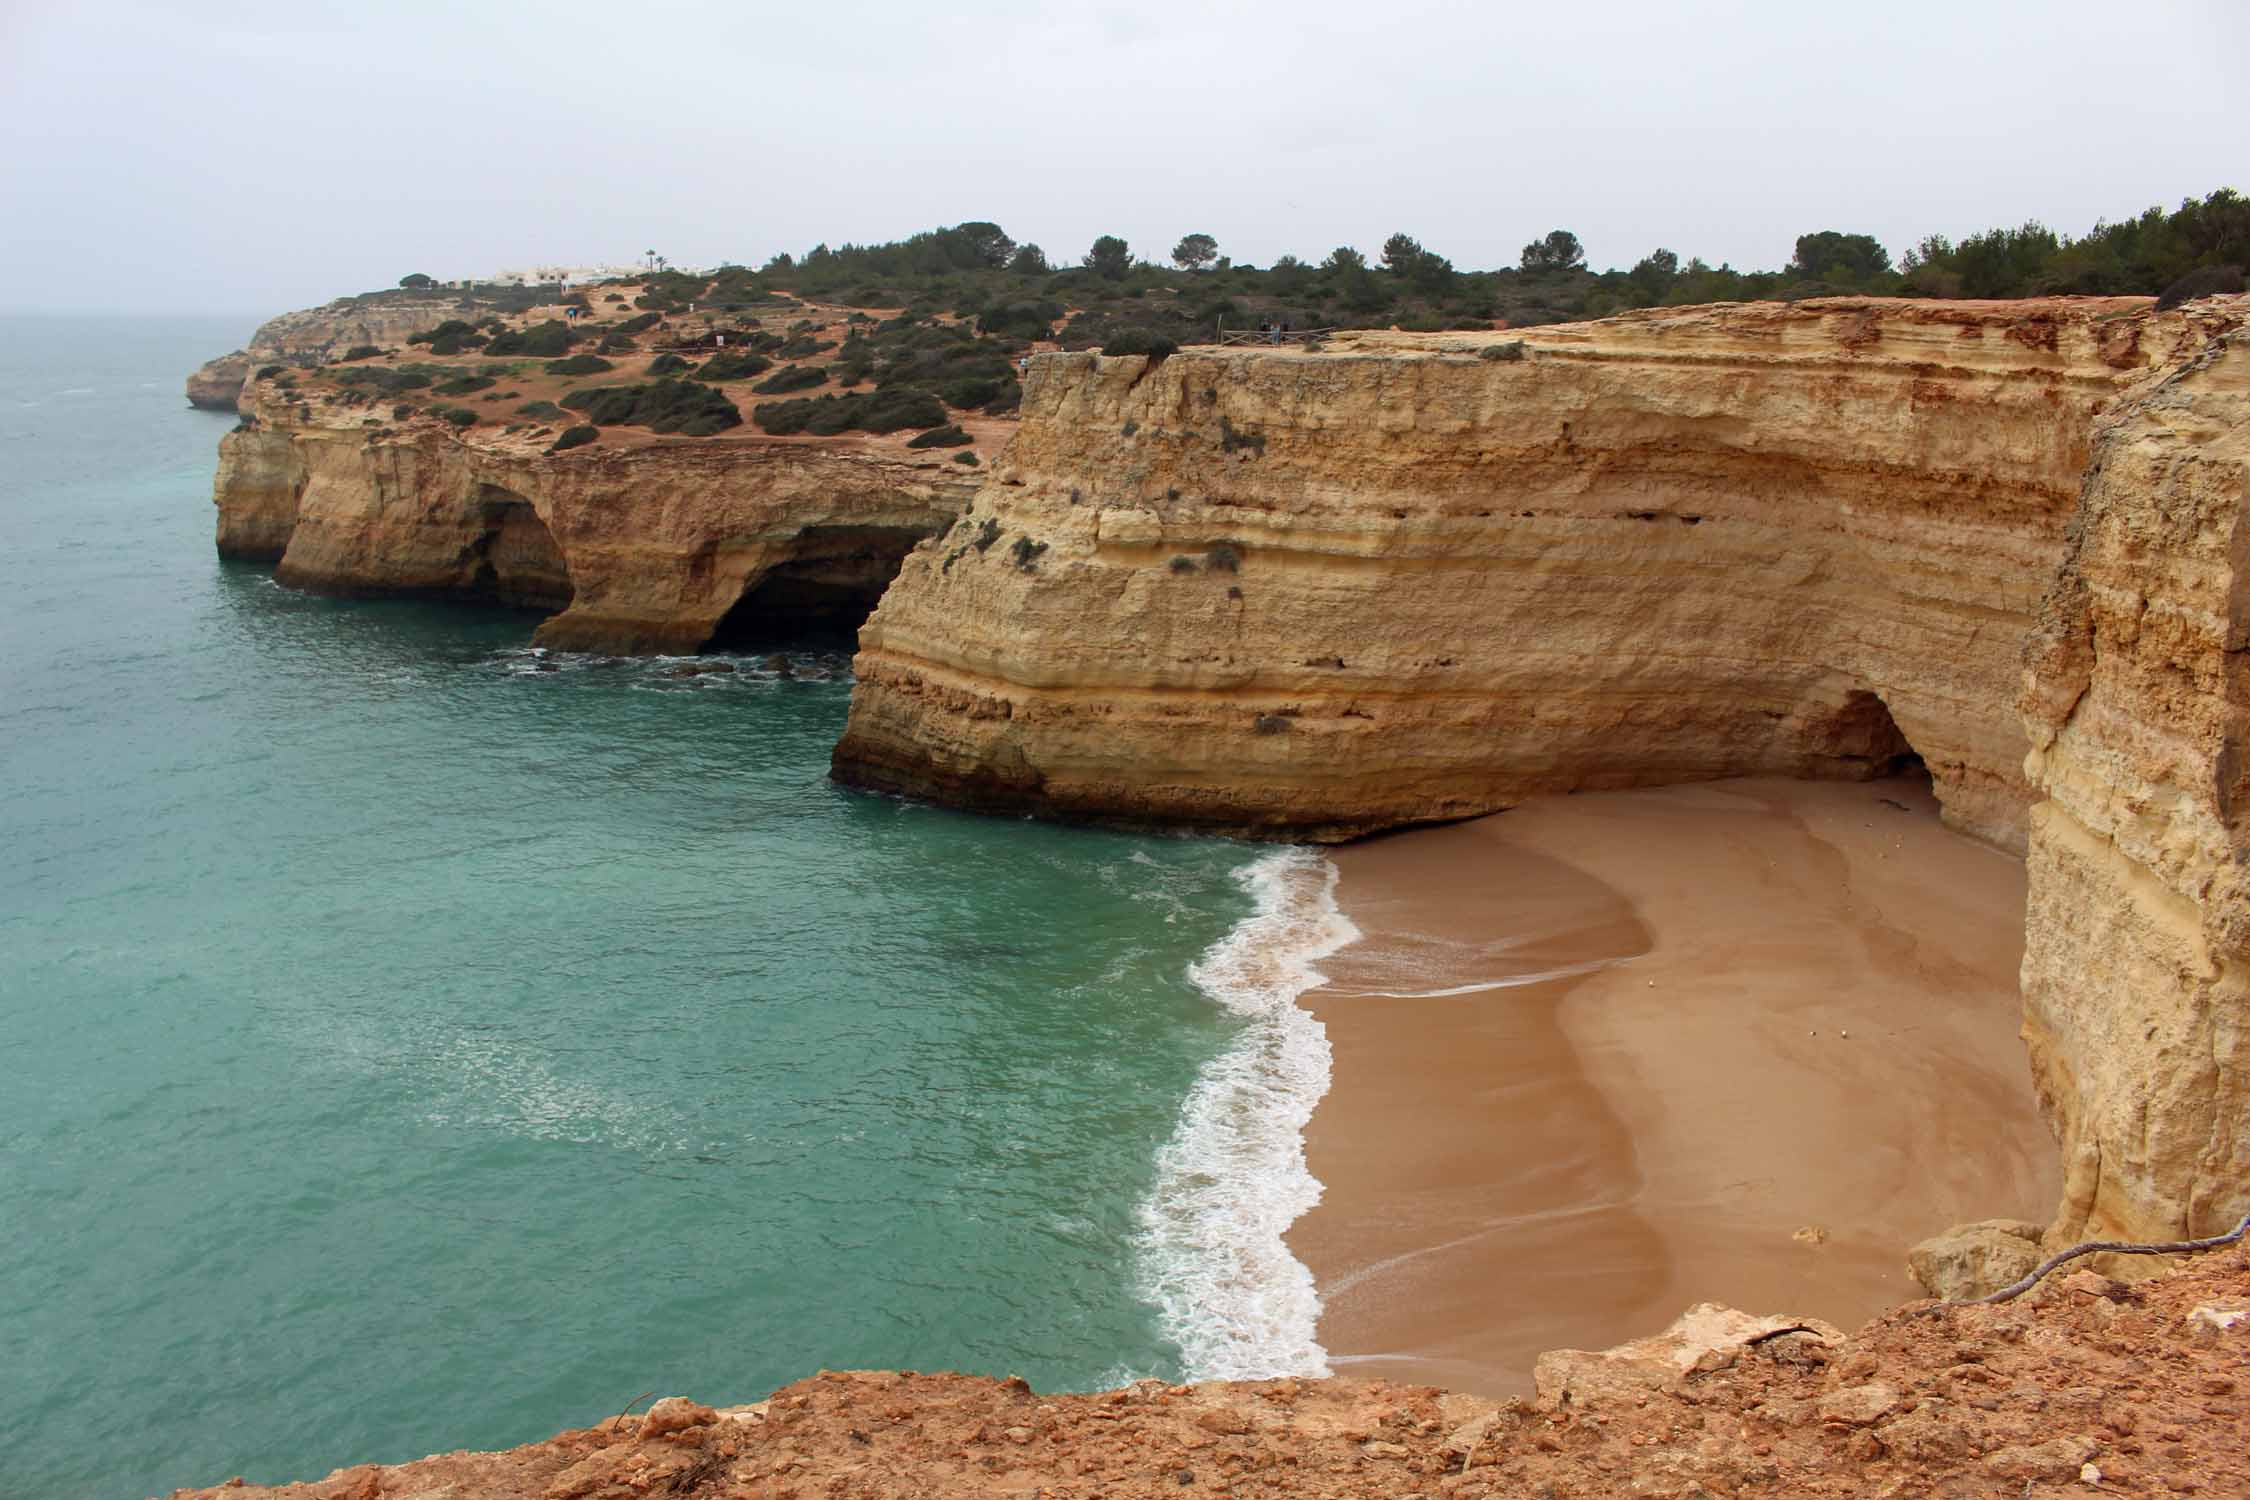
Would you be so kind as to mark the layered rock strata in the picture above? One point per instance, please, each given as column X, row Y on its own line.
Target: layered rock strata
column 2137, row 700
column 1422, row 577
column 651, row 547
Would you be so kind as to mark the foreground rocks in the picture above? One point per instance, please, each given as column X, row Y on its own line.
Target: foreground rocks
column 2141, row 1390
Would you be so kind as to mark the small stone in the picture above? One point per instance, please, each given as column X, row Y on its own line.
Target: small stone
column 1859, row 1405
column 675, row 1414
column 2057, row 1458
column 2089, row 1473
column 2212, row 1323
column 1811, row 1234
column 1383, row 1450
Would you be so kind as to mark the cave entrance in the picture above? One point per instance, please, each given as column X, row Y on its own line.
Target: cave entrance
column 516, row 561
column 1862, row 741
column 822, row 593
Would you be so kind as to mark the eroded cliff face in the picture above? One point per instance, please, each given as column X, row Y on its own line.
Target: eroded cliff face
column 1422, row 577
column 2137, row 955
column 658, row 546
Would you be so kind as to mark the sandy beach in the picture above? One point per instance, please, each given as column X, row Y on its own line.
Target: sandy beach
column 1604, row 1056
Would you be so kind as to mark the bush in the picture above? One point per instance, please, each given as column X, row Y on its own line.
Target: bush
column 966, row 458
column 574, row 437
column 267, row 372
column 378, row 380
column 463, row 385
column 949, row 436
column 638, row 324
column 667, row 364
column 2207, row 282
column 544, row 411
column 1141, row 341
column 791, row 378
column 549, row 340
column 360, row 351
column 616, row 343
column 1223, row 559
column 663, row 406
column 732, row 366
column 450, row 328
column 890, row 409
column 580, row 364
column 459, row 416
column 803, row 346
column 1183, row 564
column 1026, row 552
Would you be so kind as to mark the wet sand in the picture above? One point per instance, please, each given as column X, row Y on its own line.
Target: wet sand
column 1688, row 1023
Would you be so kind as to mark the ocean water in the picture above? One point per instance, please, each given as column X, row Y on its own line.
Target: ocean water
column 404, row 1046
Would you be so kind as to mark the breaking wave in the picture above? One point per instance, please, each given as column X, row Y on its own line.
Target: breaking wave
column 1233, row 1178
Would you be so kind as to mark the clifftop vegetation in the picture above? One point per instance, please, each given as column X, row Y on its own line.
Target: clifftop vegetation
column 976, row 270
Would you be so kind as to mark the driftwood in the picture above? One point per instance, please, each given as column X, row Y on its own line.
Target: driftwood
column 2039, row 1272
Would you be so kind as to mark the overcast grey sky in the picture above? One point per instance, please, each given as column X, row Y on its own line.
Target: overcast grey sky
column 249, row 157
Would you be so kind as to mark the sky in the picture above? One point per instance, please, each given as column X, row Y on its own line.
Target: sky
column 251, row 157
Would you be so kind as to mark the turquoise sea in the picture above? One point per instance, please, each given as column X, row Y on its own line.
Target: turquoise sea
column 407, row 1047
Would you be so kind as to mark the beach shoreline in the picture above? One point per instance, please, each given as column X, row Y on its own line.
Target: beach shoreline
column 1605, row 1056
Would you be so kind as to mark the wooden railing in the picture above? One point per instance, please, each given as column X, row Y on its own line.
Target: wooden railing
column 1270, row 335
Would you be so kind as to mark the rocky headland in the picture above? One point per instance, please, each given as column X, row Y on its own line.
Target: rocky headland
column 312, row 336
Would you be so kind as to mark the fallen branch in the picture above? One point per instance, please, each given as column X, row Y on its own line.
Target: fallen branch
column 2101, row 1247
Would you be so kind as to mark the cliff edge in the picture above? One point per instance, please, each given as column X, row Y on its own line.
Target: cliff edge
column 2088, row 1383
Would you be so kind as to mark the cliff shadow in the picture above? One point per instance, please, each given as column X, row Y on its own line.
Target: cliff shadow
column 823, row 591
column 515, row 560
column 1860, row 741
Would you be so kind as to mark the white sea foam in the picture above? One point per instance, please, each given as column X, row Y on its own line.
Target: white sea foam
column 1233, row 1178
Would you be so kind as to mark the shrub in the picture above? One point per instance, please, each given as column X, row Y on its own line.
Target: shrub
column 459, row 416
column 544, row 411
column 450, row 328
column 965, row 458
column 549, row 340
column 803, row 346
column 382, row 381
column 973, row 393
column 616, row 343
column 1508, row 352
column 949, row 436
column 360, row 351
column 889, row 409
column 663, row 406
column 462, row 385
column 791, row 378
column 732, row 366
column 986, row 535
column 267, row 372
column 640, row 323
column 580, row 364
column 574, row 437
column 1026, row 552
column 1223, row 559
column 2209, row 281
column 667, row 364
column 1183, row 564
column 1141, row 341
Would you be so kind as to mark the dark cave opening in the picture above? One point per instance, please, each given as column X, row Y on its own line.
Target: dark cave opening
column 823, row 593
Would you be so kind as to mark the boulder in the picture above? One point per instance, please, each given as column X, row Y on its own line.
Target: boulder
column 1707, row 1337
column 1972, row 1260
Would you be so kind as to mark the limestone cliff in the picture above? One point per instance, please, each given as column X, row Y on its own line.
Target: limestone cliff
column 649, row 546
column 2137, row 699
column 317, row 334
column 1422, row 577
